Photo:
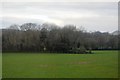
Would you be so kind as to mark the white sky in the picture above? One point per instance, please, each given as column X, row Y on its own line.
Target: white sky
column 93, row 16
column 59, row 0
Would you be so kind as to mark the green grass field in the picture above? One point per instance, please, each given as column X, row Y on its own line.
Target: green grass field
column 101, row 64
column 0, row 65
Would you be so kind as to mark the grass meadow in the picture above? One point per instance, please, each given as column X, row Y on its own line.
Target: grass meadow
column 101, row 64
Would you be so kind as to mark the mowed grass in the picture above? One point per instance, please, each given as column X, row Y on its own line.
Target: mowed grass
column 101, row 64
column 0, row 65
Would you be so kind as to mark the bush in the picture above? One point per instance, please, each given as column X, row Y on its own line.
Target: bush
column 80, row 50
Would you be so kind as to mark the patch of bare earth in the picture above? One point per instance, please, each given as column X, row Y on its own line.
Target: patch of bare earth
column 71, row 63
column 44, row 65
column 78, row 63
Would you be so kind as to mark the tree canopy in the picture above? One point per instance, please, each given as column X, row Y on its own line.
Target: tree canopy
column 32, row 37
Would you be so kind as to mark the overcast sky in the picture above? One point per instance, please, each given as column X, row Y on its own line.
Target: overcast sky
column 93, row 16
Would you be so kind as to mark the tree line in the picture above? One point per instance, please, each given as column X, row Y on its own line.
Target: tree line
column 32, row 37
